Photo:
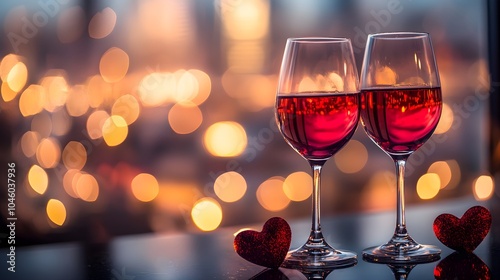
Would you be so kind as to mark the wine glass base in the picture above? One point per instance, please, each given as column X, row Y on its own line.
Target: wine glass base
column 318, row 258
column 409, row 254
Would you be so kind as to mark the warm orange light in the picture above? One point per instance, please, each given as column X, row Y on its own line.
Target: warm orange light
column 38, row 179
column 428, row 185
column 17, row 77
column 380, row 192
column 56, row 90
column 443, row 170
column 8, row 62
column 56, row 211
column 127, row 107
column 102, row 23
column 155, row 89
column 145, row 187
column 74, row 155
column 70, row 180
column 114, row 130
column 98, row 91
column 207, row 214
column 271, row 196
column 31, row 100
column 483, row 187
column 185, row 118
column 298, row 186
column 352, row 158
column 446, row 120
column 87, row 187
column 114, row 65
column 230, row 186
column 95, row 123
column 204, row 86
column 29, row 143
column 77, row 102
column 225, row 139
column 48, row 153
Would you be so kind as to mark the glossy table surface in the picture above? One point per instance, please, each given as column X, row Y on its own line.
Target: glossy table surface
column 211, row 255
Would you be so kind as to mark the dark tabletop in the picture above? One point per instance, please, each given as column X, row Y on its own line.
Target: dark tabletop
column 211, row 255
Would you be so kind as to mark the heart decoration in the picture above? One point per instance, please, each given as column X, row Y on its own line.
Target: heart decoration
column 267, row 248
column 460, row 265
column 466, row 233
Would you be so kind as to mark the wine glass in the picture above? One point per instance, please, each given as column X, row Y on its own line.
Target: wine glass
column 400, row 108
column 317, row 111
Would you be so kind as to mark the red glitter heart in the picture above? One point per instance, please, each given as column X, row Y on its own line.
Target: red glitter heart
column 466, row 233
column 461, row 265
column 266, row 248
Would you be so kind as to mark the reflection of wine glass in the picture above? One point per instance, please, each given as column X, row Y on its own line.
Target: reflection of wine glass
column 317, row 110
column 400, row 108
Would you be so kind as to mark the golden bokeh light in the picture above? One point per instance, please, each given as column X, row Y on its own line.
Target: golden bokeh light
column 446, row 120
column 102, row 23
column 87, row 187
column 249, row 20
column 173, row 194
column 31, row 100
column 230, row 186
column 17, row 77
column 207, row 214
column 114, row 65
column 98, row 91
column 443, row 170
column 428, row 185
column 483, row 187
column 385, row 76
column 38, row 179
column 186, row 86
column 70, row 180
column 95, row 123
column 145, row 187
column 298, row 186
column 74, row 155
column 204, row 86
column 56, row 90
column 7, row 93
column 77, row 101
column 255, row 91
column 380, row 192
column 56, row 211
column 42, row 124
column 127, row 107
column 185, row 118
column 271, row 196
column 114, row 130
column 225, row 139
column 352, row 158
column 8, row 62
column 48, row 153
column 29, row 143
column 155, row 89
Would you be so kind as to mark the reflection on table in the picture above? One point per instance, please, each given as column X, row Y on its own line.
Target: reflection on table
column 211, row 255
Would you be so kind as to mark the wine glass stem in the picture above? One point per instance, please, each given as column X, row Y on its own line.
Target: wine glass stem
column 316, row 235
column 400, row 200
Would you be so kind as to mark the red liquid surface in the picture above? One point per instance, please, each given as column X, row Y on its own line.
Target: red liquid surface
column 400, row 120
column 317, row 126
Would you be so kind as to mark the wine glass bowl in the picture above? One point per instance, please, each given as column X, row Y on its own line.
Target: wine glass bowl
column 317, row 111
column 401, row 105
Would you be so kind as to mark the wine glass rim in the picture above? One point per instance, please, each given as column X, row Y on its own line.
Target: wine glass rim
column 319, row 40
column 399, row 35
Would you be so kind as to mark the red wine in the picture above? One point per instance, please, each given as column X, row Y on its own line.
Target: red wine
column 400, row 120
column 317, row 126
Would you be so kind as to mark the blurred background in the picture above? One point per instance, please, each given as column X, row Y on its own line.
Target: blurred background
column 127, row 117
